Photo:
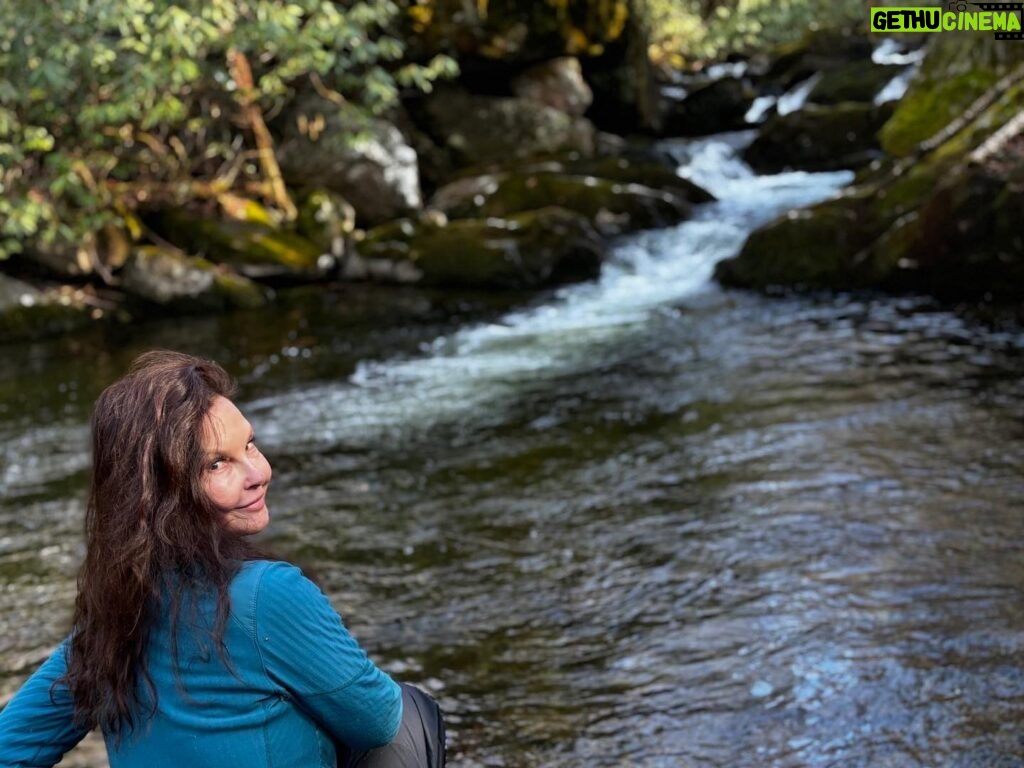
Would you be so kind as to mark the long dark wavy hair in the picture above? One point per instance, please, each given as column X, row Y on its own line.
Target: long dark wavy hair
column 152, row 535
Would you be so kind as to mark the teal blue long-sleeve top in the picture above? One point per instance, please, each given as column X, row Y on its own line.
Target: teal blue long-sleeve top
column 297, row 681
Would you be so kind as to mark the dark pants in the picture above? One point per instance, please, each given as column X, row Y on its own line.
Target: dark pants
column 419, row 743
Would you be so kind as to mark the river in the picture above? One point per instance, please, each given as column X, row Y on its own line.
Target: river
column 638, row 521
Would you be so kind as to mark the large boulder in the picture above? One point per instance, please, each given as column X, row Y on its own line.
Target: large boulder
column 494, row 41
column 483, row 129
column 557, row 83
column 853, row 81
column 175, row 281
column 366, row 160
column 812, row 248
column 613, row 207
column 965, row 240
column 818, row 138
column 712, row 108
column 525, row 250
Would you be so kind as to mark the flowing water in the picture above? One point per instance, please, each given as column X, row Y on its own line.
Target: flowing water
column 639, row 521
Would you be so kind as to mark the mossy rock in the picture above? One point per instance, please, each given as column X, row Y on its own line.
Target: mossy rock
column 482, row 129
column 957, row 69
column 857, row 81
column 27, row 312
column 174, row 281
column 612, row 206
column 650, row 174
column 810, row 248
column 965, row 241
column 252, row 249
column 525, row 250
column 819, row 138
column 365, row 159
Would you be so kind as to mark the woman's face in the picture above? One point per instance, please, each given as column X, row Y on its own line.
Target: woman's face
column 235, row 474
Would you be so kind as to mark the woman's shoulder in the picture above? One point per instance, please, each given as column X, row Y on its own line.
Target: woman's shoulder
column 270, row 580
column 275, row 593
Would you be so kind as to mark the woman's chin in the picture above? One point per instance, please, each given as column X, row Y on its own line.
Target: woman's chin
column 245, row 522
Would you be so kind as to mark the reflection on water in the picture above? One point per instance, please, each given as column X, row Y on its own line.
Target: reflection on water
column 639, row 521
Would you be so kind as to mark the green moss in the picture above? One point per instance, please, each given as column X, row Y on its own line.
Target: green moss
column 957, row 70
column 238, row 291
column 812, row 248
column 251, row 247
column 925, row 111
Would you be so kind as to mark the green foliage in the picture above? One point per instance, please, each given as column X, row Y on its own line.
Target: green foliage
column 107, row 104
column 685, row 31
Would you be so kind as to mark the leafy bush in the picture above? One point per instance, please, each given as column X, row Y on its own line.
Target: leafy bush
column 109, row 104
column 687, row 31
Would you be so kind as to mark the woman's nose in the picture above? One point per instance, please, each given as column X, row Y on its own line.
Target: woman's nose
column 257, row 472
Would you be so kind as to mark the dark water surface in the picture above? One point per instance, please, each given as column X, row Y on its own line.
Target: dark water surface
column 639, row 521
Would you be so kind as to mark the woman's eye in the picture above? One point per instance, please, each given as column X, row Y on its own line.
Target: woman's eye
column 217, row 464
column 250, row 445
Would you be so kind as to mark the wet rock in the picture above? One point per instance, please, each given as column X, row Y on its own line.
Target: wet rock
column 524, row 250
column 813, row 248
column 965, row 240
column 649, row 171
column 819, row 138
column 817, row 51
column 484, row 129
column 612, row 206
column 713, row 108
column 857, row 81
column 173, row 280
column 27, row 312
column 366, row 160
column 558, row 84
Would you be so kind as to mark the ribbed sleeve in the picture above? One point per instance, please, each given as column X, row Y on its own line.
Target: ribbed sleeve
column 306, row 649
column 35, row 729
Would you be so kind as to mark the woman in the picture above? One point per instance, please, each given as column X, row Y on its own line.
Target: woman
column 188, row 647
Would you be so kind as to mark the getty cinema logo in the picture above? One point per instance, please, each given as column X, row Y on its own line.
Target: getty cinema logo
column 1001, row 18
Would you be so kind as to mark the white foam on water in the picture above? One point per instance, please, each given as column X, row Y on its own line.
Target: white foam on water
column 471, row 374
column 794, row 99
